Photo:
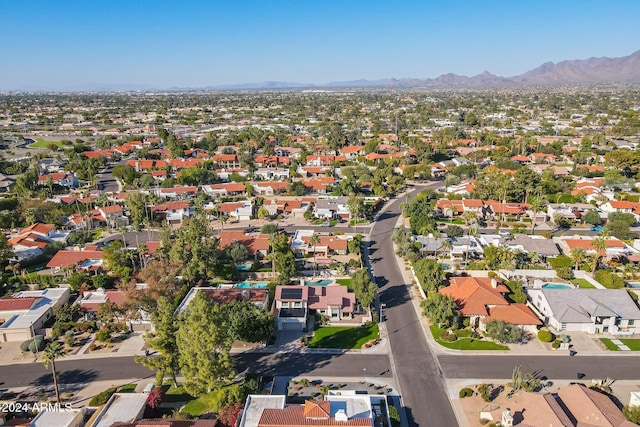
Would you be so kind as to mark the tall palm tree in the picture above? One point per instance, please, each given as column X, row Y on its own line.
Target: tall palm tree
column 468, row 216
column 53, row 351
column 536, row 204
column 578, row 256
column 447, row 246
column 313, row 241
column 599, row 245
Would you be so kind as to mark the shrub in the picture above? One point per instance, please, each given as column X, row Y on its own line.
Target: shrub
column 448, row 336
column 103, row 335
column 35, row 344
column 556, row 344
column 485, row 391
column 102, row 397
column 609, row 280
column 394, row 415
column 492, row 274
column 465, row 392
column 545, row 336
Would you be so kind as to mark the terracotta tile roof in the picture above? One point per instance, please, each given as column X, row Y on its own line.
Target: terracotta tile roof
column 351, row 149
column 225, row 158
column 294, row 416
column 108, row 210
column 15, row 304
column 66, row 258
column 518, row 314
column 232, row 187
column 474, row 294
column 38, row 228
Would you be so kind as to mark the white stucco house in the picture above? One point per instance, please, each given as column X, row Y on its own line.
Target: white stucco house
column 587, row 310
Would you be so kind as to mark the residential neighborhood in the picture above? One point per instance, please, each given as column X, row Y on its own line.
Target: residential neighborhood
column 294, row 265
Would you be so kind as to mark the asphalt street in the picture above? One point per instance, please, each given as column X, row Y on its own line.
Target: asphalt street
column 107, row 182
column 420, row 380
column 115, row 368
column 563, row 367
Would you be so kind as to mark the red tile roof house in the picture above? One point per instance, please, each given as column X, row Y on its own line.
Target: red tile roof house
column 482, row 298
column 31, row 241
column 174, row 212
column 89, row 259
column 25, row 314
column 344, row 408
column 293, row 303
column 258, row 247
column 61, row 178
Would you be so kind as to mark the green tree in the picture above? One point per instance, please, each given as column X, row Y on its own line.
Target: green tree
column 364, row 288
column 137, row 207
column 53, row 351
column 27, row 183
column 592, row 217
column 66, row 312
column 118, row 260
column 454, row 231
column 439, row 309
column 578, row 256
column 599, row 245
column 166, row 362
column 248, row 322
column 203, row 346
column 632, row 413
column 270, row 228
column 429, row 274
column 237, row 252
column 503, row 331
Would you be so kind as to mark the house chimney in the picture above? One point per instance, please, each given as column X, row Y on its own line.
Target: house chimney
column 494, row 283
column 341, row 416
column 507, row 418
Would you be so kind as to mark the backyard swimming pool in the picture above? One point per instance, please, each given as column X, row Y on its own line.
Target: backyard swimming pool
column 557, row 286
column 319, row 283
column 243, row 267
column 255, row 285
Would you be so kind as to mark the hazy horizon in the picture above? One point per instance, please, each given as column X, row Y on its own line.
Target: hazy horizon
column 162, row 45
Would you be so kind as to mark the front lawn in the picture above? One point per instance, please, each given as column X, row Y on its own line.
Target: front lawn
column 583, row 284
column 632, row 343
column 343, row 337
column 210, row 402
column 177, row 394
column 465, row 343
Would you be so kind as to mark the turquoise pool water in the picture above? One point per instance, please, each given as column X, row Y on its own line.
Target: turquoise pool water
column 556, row 286
column 243, row 267
column 256, row 285
column 319, row 283
column 633, row 285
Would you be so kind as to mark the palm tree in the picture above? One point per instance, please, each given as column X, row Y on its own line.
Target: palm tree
column 53, row 351
column 313, row 241
column 599, row 245
column 447, row 246
column 536, row 204
column 578, row 256
column 223, row 219
column 468, row 216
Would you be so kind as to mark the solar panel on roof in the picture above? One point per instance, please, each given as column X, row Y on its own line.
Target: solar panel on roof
column 291, row 294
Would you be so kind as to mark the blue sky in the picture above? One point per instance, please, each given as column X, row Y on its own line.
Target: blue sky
column 68, row 44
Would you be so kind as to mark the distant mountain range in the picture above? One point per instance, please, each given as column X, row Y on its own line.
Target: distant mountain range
column 623, row 70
